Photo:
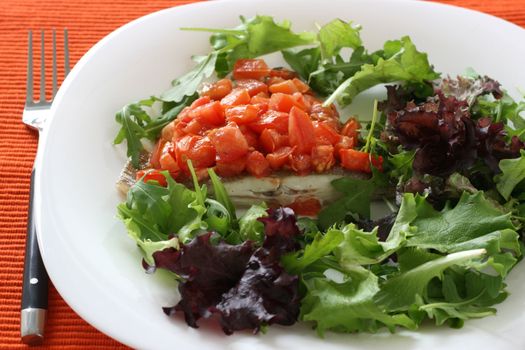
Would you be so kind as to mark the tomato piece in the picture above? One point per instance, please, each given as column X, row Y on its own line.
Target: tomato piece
column 280, row 157
column 194, row 127
column 316, row 107
column 300, row 85
column 301, row 131
column 284, row 87
column 250, row 69
column 283, row 73
column 306, row 206
column 154, row 159
column 244, row 114
column 271, row 139
column 210, row 113
column 229, row 143
column 352, row 159
column 254, row 87
column 217, row 90
column 274, row 80
column 257, row 165
column 250, row 136
column 281, row 102
column 199, row 102
column 301, row 163
column 323, row 158
column 260, row 98
column 168, row 162
column 167, row 131
column 236, row 97
column 300, row 101
column 231, row 168
column 351, row 128
column 271, row 120
column 152, row 175
column 325, row 134
column 345, row 143
column 199, row 149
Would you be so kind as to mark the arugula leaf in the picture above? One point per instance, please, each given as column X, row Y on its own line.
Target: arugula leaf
column 357, row 195
column 304, row 62
column 407, row 65
column 512, row 173
column 336, row 35
column 348, row 306
column 187, row 84
column 137, row 124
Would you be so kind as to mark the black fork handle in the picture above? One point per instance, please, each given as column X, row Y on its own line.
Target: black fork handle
column 35, row 281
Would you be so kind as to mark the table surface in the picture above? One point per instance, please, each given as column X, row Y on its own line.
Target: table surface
column 88, row 21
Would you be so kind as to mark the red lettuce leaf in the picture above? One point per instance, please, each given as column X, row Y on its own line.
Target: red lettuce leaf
column 244, row 287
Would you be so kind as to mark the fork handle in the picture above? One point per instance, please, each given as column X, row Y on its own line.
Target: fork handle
column 35, row 282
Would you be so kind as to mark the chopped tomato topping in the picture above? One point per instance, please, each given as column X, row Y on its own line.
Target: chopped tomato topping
column 254, row 87
column 285, row 87
column 281, row 102
column 237, row 97
column 257, row 165
column 231, row 168
column 200, row 101
column 280, row 157
column 271, row 120
column 217, row 90
column 229, row 143
column 325, row 134
column 323, row 158
column 351, row 128
column 301, row 131
column 250, row 69
column 210, row 113
column 244, row 114
column 152, row 175
column 301, row 163
column 283, row 73
column 196, row 148
column 352, row 159
column 155, row 155
column 271, row 139
column 301, row 86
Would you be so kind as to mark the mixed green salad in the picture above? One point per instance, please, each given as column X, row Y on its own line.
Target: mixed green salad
column 453, row 176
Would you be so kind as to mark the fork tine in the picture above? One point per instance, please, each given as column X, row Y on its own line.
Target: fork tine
column 42, row 70
column 66, row 53
column 54, row 64
column 29, row 82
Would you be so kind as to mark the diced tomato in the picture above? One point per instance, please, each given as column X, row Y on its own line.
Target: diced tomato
column 301, row 131
column 229, row 142
column 301, row 163
column 152, row 175
column 283, row 102
column 167, row 131
column 351, row 128
column 270, row 140
column 323, row 158
column 318, row 109
column 283, row 73
column 217, row 90
column 271, row 120
column 257, row 165
column 231, row 168
column 237, row 97
column 301, row 86
column 306, row 206
column 280, row 157
column 274, row 80
column 167, row 162
column 154, row 159
column 194, row 127
column 253, row 86
column 300, row 101
column 199, row 149
column 345, row 143
column 200, row 102
column 250, row 69
column 352, row 159
column 244, row 114
column 325, row 134
column 285, row 87
column 250, row 136
column 210, row 113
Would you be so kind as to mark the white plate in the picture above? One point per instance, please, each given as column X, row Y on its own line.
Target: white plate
column 90, row 259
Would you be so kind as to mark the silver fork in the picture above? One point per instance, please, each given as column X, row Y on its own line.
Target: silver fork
column 35, row 283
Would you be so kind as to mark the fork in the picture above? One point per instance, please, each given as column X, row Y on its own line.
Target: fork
column 35, row 281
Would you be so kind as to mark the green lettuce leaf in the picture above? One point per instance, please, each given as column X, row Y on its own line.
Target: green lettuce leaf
column 250, row 228
column 406, row 65
column 336, row 35
column 348, row 306
column 512, row 173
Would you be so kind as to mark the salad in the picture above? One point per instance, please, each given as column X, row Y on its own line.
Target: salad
column 446, row 155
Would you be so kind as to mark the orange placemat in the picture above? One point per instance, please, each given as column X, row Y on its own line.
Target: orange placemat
column 88, row 21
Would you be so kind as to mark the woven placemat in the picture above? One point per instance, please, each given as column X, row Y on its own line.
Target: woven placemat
column 87, row 21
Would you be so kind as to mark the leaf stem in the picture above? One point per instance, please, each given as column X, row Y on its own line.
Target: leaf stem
column 372, row 126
